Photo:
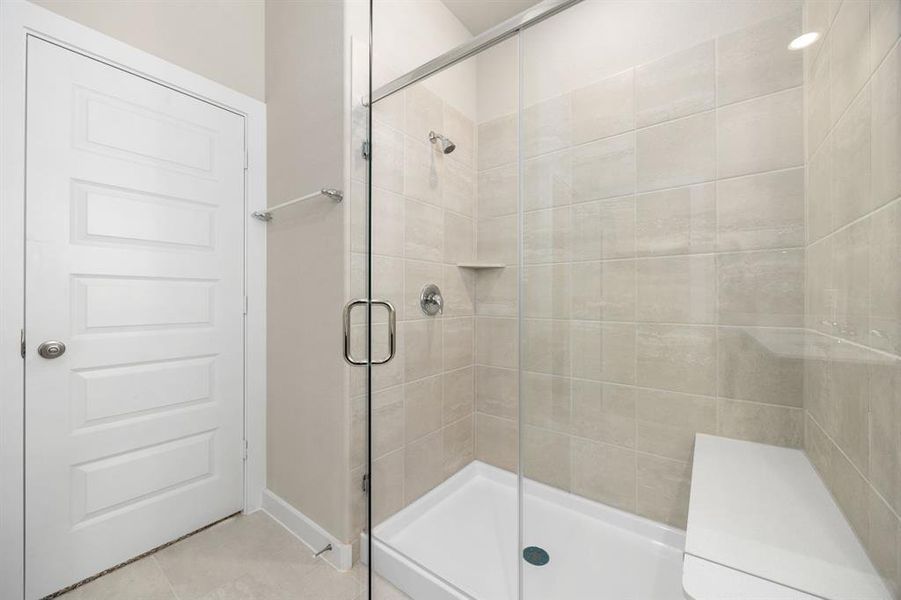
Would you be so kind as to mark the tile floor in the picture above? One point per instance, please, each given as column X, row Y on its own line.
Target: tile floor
column 245, row 558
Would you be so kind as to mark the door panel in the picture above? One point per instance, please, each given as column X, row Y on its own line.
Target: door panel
column 134, row 254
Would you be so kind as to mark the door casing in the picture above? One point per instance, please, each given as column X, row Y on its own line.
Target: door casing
column 18, row 20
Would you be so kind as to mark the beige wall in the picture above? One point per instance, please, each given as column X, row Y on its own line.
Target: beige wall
column 852, row 392
column 307, row 407
column 219, row 39
column 663, row 216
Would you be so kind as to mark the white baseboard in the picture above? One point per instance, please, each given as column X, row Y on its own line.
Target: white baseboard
column 305, row 529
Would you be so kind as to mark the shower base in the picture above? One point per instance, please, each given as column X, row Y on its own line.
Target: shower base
column 459, row 541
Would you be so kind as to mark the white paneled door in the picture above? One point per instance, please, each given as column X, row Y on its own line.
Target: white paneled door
column 134, row 261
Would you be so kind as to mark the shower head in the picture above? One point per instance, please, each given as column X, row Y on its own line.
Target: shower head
column 447, row 146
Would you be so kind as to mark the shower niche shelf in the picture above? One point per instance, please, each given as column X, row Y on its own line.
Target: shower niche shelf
column 479, row 266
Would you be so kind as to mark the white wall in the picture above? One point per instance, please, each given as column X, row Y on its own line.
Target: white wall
column 407, row 34
column 219, row 39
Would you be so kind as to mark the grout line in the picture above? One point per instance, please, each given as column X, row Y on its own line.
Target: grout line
column 166, row 577
column 869, row 483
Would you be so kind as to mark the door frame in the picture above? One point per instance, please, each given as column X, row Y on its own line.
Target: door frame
column 20, row 19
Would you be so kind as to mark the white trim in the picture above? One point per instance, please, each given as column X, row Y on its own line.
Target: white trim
column 18, row 19
column 417, row 581
column 406, row 575
column 307, row 531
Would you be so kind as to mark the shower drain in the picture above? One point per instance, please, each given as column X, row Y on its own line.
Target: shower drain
column 536, row 556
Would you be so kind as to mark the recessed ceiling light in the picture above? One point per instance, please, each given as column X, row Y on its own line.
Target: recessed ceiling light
column 804, row 40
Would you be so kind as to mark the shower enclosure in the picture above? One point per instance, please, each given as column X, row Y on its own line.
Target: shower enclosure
column 601, row 228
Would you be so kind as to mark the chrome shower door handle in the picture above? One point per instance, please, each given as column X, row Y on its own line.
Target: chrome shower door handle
column 392, row 330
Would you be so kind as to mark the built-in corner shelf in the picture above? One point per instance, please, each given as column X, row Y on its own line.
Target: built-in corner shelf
column 480, row 266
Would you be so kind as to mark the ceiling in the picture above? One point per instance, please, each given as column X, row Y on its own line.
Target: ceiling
column 479, row 15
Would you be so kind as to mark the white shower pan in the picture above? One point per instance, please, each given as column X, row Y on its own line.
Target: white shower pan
column 459, row 541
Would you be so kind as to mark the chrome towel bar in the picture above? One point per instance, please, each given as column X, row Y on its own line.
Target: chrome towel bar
column 266, row 215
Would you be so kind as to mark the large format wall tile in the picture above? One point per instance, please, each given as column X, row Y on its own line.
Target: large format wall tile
column 852, row 291
column 677, row 153
column 762, row 423
column 424, row 232
column 886, row 114
column 497, row 142
column 603, row 229
column 885, row 422
column 423, row 407
column 546, row 401
column 679, row 289
column 603, row 291
column 679, row 358
column 546, row 457
column 424, row 112
column 496, row 441
column 423, row 466
column 761, row 211
column 423, row 348
column 546, row 291
column 604, row 168
column 668, row 421
column 497, row 191
column 461, row 130
column 677, row 85
column 604, row 108
column 760, row 135
column 849, row 42
column 604, row 412
column 677, row 221
column 885, row 279
column 851, row 195
column 603, row 351
column 547, row 180
column 496, row 342
column 424, row 172
column 604, row 473
column 761, row 288
column 459, row 394
column 850, row 281
column 497, row 391
column 756, row 60
column 497, row 240
column 662, row 489
column 752, row 368
column 547, row 126
column 545, row 346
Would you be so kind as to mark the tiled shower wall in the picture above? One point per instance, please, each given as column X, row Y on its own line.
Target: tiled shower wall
column 852, row 392
column 422, row 226
column 663, row 283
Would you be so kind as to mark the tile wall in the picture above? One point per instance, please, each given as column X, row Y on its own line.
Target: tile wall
column 422, row 226
column 852, row 386
column 710, row 243
column 663, row 282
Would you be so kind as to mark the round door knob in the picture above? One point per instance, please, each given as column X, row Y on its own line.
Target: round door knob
column 52, row 349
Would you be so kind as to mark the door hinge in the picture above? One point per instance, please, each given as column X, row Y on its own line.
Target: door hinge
column 365, row 150
column 245, row 450
column 245, row 305
column 246, row 159
column 22, row 342
column 365, row 482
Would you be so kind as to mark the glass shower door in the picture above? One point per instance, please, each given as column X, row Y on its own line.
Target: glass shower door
column 664, row 234
column 443, row 411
